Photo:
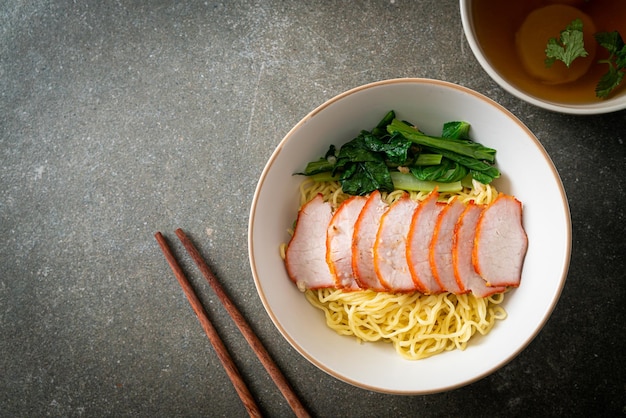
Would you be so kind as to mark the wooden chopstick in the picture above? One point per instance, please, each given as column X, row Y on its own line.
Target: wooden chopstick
column 252, row 339
column 227, row 361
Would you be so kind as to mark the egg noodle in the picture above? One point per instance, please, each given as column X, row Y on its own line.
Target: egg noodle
column 418, row 325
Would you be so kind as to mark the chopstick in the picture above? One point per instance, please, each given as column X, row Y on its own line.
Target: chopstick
column 227, row 361
column 252, row 339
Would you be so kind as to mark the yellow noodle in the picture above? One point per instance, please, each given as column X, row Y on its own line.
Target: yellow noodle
column 417, row 325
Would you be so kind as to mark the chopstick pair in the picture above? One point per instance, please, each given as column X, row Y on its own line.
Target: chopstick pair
column 254, row 342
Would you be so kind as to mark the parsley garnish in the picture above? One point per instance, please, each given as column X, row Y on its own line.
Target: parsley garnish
column 568, row 47
column 614, row 43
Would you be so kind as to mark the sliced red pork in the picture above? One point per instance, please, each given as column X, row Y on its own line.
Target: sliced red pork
column 501, row 242
column 463, row 244
column 365, row 230
column 418, row 244
column 390, row 260
column 305, row 257
column 339, row 242
column 441, row 247
column 429, row 246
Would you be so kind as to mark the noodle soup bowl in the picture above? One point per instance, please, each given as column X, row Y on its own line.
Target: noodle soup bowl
column 493, row 30
column 429, row 104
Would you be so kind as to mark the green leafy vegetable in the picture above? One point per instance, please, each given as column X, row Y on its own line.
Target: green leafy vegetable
column 481, row 176
column 459, row 146
column 613, row 42
column 456, row 130
column 325, row 176
column 397, row 155
column 363, row 163
column 409, row 182
column 395, row 149
column 365, row 177
column 447, row 171
column 483, row 172
column 568, row 47
column 428, row 159
column 381, row 129
column 326, row 163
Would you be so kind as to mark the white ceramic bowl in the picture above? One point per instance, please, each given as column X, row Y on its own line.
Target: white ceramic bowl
column 527, row 173
column 615, row 103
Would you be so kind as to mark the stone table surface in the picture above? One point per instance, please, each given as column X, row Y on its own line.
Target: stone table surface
column 122, row 118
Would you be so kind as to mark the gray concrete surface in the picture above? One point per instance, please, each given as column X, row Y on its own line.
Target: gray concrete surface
column 122, row 118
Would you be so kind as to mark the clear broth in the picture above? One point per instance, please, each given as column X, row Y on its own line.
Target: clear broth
column 496, row 23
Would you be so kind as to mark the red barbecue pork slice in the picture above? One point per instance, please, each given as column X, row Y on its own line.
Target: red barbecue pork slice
column 501, row 242
column 390, row 260
column 339, row 242
column 365, row 230
column 418, row 243
column 463, row 244
column 440, row 255
column 305, row 257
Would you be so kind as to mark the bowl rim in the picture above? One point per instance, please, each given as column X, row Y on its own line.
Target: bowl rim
column 607, row 106
column 514, row 353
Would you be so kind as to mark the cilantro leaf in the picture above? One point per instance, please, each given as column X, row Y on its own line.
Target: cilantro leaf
column 621, row 58
column 568, row 47
column 612, row 42
column 608, row 82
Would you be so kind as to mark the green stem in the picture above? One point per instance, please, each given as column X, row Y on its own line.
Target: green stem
column 411, row 183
